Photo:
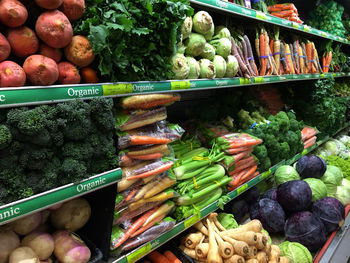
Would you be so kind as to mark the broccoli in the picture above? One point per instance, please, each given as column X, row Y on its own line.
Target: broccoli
column 72, row 170
column 102, row 113
column 34, row 158
column 78, row 150
column 265, row 164
column 291, row 115
column 257, row 117
column 294, row 125
column 5, row 137
column 245, row 121
column 283, row 120
column 293, row 140
column 260, row 152
column 273, row 127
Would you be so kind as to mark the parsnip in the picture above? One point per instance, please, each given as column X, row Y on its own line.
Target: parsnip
column 200, row 227
column 193, row 239
column 241, row 248
column 213, row 253
column 261, row 257
column 262, row 241
column 284, row 260
column 249, row 237
column 235, row 259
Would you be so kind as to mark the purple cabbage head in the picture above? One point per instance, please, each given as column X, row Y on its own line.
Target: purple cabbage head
column 311, row 166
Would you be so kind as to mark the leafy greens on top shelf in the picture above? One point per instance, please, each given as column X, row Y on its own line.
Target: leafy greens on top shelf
column 134, row 39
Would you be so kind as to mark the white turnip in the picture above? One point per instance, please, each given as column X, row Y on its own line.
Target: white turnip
column 69, row 248
column 72, row 215
column 23, row 255
column 41, row 243
column 9, row 242
column 25, row 225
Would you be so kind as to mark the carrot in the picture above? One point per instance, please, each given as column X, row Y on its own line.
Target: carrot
column 171, row 257
column 328, row 60
column 242, row 143
column 249, row 173
column 156, row 257
column 308, row 145
column 131, row 194
column 88, row 75
column 277, row 54
column 309, row 55
column 271, row 45
column 159, row 186
column 156, row 103
column 150, row 156
column 288, row 58
column 140, row 140
column 301, row 60
column 158, row 170
column 135, row 226
column 161, row 211
column 238, row 150
column 263, row 53
column 148, row 226
column 243, row 167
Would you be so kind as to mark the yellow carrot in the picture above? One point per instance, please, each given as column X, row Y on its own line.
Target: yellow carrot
column 162, row 210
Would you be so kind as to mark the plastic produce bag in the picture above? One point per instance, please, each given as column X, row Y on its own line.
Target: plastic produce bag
column 149, row 101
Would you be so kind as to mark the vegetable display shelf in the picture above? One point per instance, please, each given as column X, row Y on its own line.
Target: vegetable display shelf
column 20, row 208
column 11, row 97
column 183, row 225
column 257, row 15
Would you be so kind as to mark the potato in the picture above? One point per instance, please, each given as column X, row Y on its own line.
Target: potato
column 11, row 74
column 23, row 255
column 23, row 41
column 50, row 52
column 41, row 70
column 49, row 4
column 73, row 9
column 68, row 73
column 54, row 28
column 79, row 51
column 5, row 48
column 72, row 215
column 41, row 243
column 12, row 13
column 9, row 242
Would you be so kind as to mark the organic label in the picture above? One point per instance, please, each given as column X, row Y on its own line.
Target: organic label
column 295, row 25
column 322, row 75
column 243, row 81
column 259, row 80
column 304, row 152
column 266, row 174
column 192, row 220
column 175, row 85
column 260, row 15
column 242, row 189
column 139, row 253
column 117, row 89
column 334, row 74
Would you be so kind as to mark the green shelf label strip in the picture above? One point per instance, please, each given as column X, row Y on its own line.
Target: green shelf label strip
column 10, row 97
column 251, row 13
column 15, row 210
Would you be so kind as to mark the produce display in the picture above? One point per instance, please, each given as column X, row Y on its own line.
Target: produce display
column 33, row 46
column 32, row 239
column 287, row 11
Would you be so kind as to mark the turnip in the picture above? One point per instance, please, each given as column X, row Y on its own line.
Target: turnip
column 49, row 260
column 54, row 28
column 72, row 215
column 25, row 225
column 73, row 9
column 55, row 207
column 69, row 248
column 68, row 73
column 23, row 255
column 9, row 242
column 45, row 215
column 41, row 243
column 50, row 52
column 79, row 51
column 5, row 48
column 11, row 74
column 41, row 70
column 23, row 41
column 12, row 13
column 49, row 4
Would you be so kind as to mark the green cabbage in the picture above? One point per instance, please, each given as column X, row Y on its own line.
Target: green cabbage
column 331, row 148
column 332, row 178
column 344, row 139
column 227, row 221
column 318, row 188
column 286, row 173
column 295, row 252
column 343, row 192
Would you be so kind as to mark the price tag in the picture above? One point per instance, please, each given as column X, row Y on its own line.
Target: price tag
column 324, row 34
column 259, row 80
column 244, row 81
column 295, row 25
column 260, row 15
column 175, row 85
column 116, row 89
column 139, row 253
column 304, row 152
column 192, row 220
column 334, row 74
column 307, row 28
column 346, row 41
column 322, row 75
column 242, row 189
column 266, row 174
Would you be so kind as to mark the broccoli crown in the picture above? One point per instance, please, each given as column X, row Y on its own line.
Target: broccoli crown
column 5, row 136
column 102, row 113
column 73, row 170
column 294, row 125
column 260, row 152
column 283, row 120
column 245, row 121
column 257, row 117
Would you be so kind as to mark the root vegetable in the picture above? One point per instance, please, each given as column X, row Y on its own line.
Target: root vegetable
column 73, row 9
column 202, row 250
column 49, row 4
column 23, row 255
column 41, row 243
column 249, row 237
column 5, row 48
column 12, row 13
column 54, row 28
column 262, row 241
column 267, row 249
column 55, row 207
column 88, row 75
column 192, row 240
column 79, row 51
column 11, row 74
column 252, row 260
column 241, row 248
column 49, row 260
column 9, row 242
column 69, row 248
column 252, row 252
column 225, row 248
column 200, row 227
column 25, row 225
column 261, row 257
column 213, row 252
column 45, row 215
column 235, row 259
column 72, row 215
column 50, row 52
column 23, row 41
column 284, row 260
column 191, row 253
column 68, row 73
column 41, row 70
column 275, row 253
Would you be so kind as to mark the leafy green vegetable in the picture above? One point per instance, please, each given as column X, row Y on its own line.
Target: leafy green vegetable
column 332, row 178
column 318, row 188
column 286, row 173
column 295, row 252
column 227, row 221
column 134, row 39
column 342, row 164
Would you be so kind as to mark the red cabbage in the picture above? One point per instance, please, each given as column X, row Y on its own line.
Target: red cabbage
column 311, row 166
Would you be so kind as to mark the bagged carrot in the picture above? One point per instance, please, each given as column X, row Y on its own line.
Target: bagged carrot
column 149, row 101
column 151, row 169
column 144, row 152
column 237, row 140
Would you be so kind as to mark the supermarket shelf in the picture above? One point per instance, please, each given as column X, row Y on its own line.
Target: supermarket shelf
column 259, row 16
column 12, row 97
column 35, row 203
column 182, row 226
